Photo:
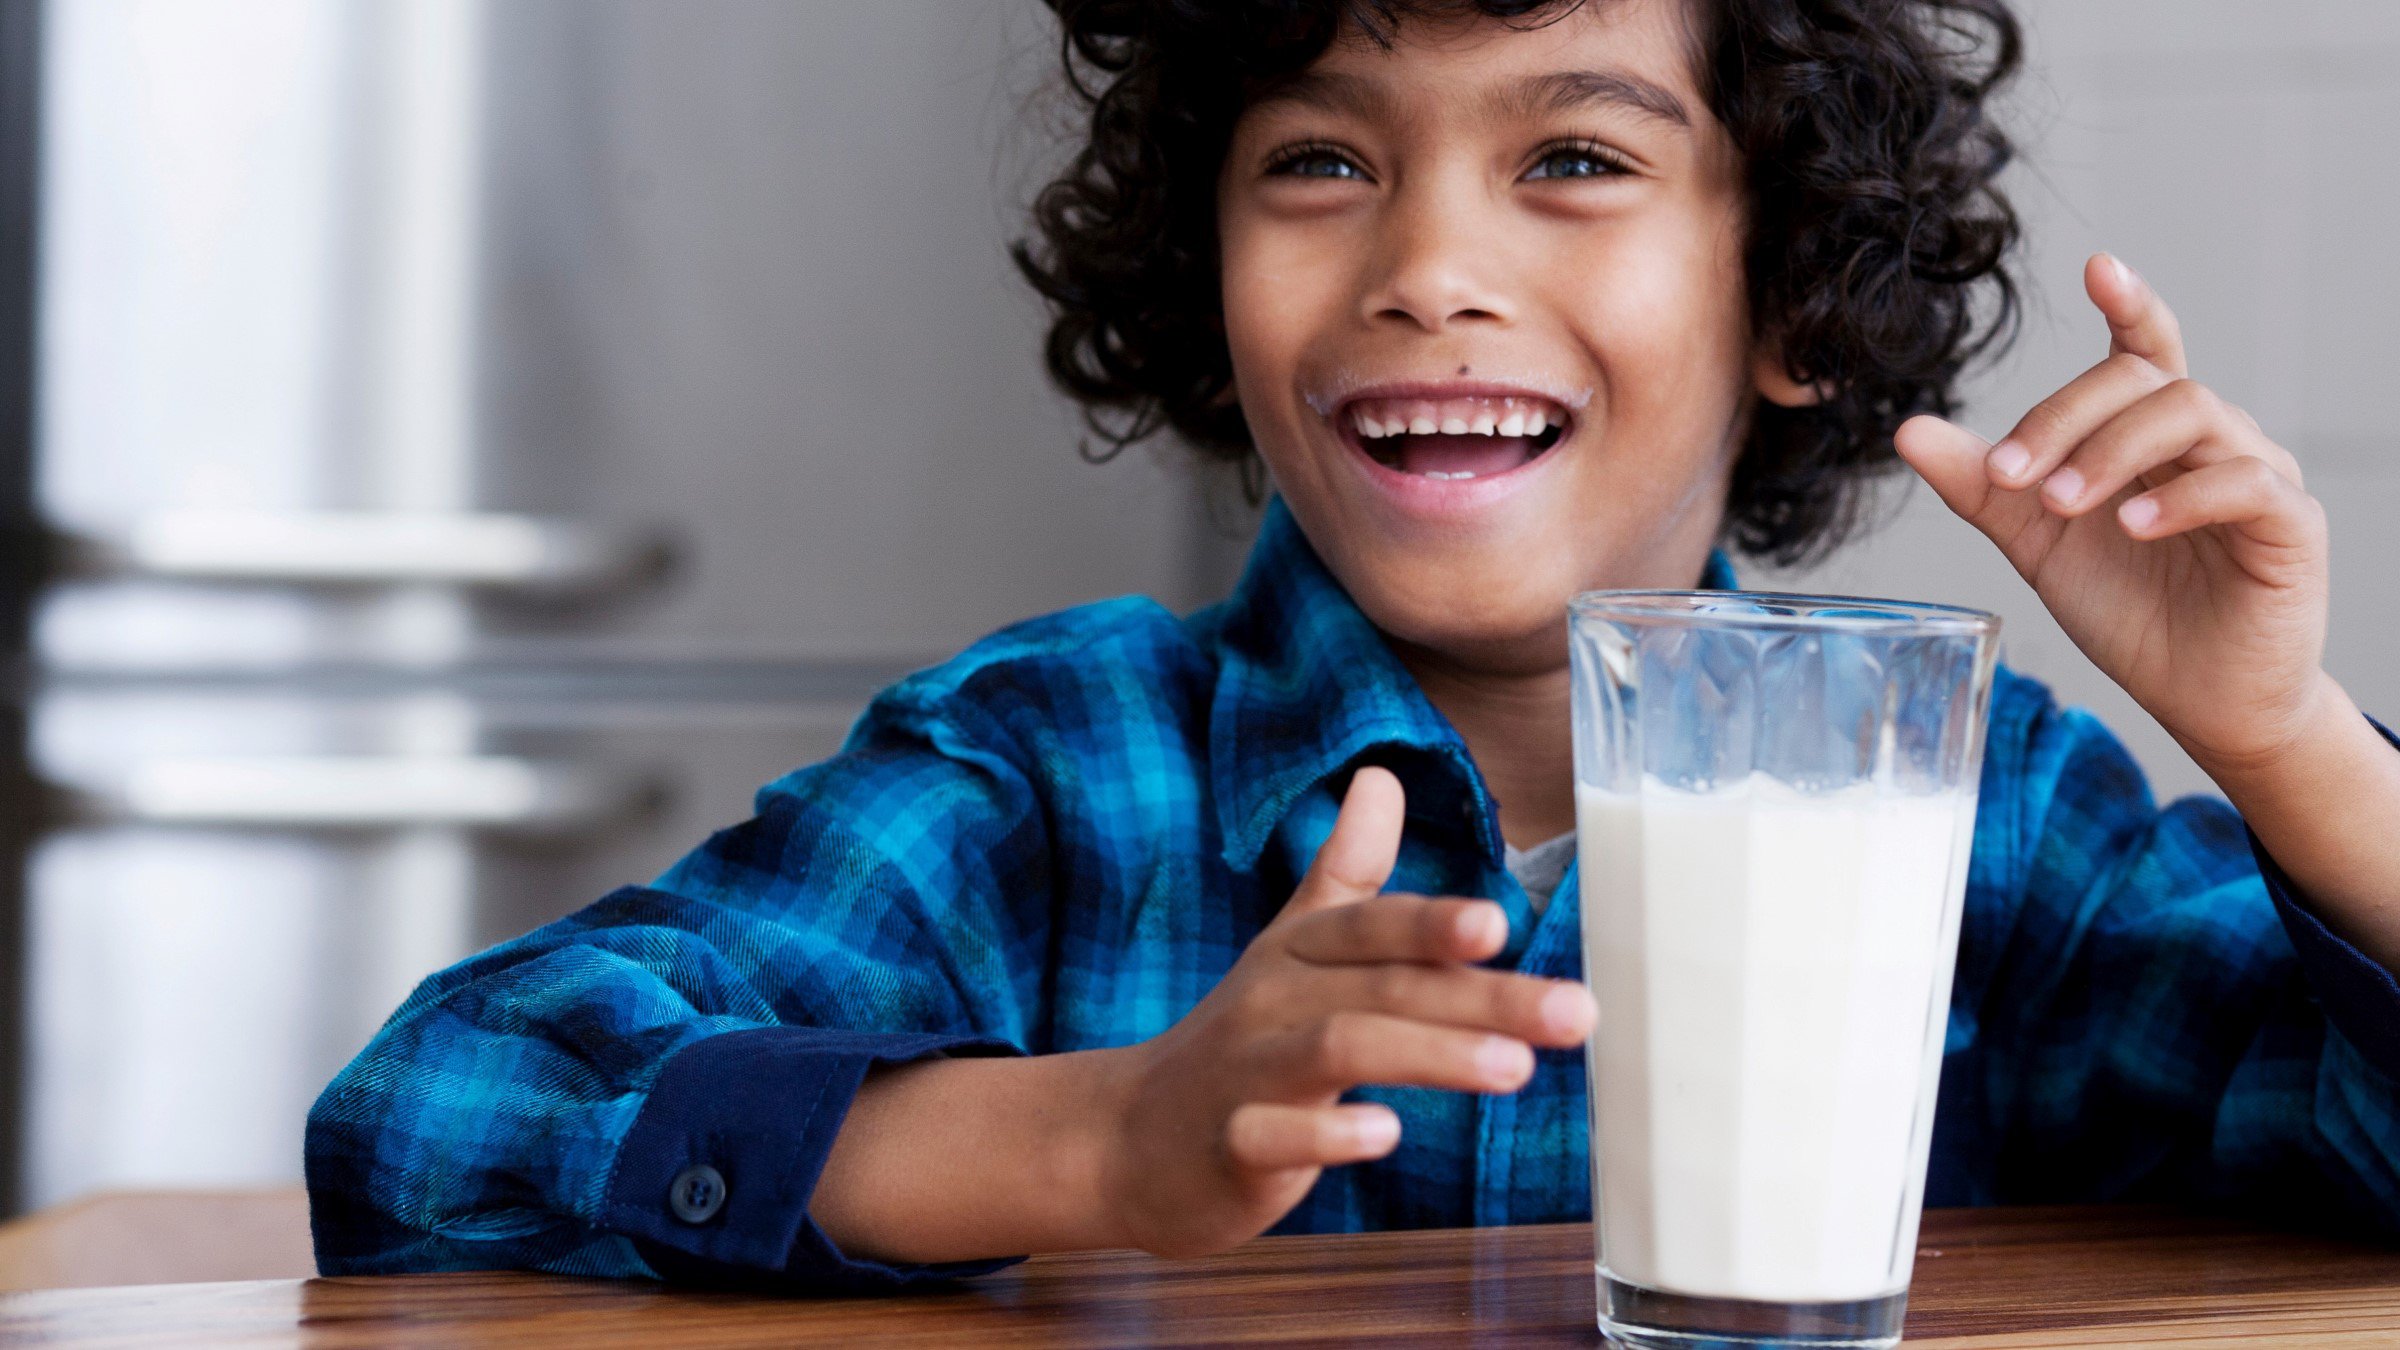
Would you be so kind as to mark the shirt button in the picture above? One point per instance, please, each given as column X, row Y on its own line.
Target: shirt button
column 697, row 1193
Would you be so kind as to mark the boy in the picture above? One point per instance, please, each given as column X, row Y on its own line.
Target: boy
column 1512, row 300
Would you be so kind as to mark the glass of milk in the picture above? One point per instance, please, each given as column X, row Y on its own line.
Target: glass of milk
column 1776, row 798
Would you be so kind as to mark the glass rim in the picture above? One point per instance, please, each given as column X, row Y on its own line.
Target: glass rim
column 1890, row 616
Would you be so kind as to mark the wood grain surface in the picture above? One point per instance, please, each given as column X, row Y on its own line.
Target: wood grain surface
column 159, row 1237
column 1985, row 1279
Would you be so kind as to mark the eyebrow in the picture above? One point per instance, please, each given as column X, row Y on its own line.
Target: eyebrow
column 1557, row 92
column 1329, row 92
column 1568, row 90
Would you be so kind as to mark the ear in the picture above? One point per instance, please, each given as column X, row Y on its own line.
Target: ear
column 1776, row 383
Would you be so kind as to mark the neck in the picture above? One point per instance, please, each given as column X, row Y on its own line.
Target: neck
column 1516, row 726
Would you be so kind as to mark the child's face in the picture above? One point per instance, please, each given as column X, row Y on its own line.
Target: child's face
column 1476, row 227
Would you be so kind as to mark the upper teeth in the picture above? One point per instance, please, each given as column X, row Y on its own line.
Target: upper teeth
column 1379, row 418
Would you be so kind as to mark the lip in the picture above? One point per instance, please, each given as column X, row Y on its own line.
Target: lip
column 1443, row 500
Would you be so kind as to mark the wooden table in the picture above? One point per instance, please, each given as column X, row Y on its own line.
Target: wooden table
column 1985, row 1279
column 159, row 1237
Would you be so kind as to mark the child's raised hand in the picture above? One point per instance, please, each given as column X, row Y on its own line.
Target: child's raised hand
column 2171, row 538
column 1227, row 1118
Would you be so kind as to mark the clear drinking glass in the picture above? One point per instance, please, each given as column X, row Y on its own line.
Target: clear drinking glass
column 1775, row 797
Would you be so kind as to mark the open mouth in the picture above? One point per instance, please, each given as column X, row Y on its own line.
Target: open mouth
column 1452, row 439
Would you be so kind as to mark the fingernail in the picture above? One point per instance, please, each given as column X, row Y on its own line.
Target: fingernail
column 1483, row 926
column 2063, row 487
column 1502, row 1061
column 2011, row 459
column 2139, row 514
column 2125, row 275
column 1565, row 1008
column 1377, row 1130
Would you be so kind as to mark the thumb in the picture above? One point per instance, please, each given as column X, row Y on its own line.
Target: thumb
column 1357, row 857
column 1950, row 459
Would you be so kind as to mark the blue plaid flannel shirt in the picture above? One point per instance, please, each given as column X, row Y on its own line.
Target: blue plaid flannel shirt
column 1063, row 838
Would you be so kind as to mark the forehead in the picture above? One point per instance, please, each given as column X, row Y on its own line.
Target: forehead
column 1633, row 56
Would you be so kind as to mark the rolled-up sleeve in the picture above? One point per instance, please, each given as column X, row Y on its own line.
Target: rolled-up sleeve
column 2358, row 994
column 716, row 1173
column 2145, row 1007
column 650, row 1087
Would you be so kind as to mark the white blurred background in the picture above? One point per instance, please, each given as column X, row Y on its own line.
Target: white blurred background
column 486, row 441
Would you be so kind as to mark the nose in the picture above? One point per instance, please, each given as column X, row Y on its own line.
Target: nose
column 1434, row 268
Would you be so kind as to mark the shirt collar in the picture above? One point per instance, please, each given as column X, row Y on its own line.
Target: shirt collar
column 1307, row 688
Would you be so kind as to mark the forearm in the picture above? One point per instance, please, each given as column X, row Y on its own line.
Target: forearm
column 2328, row 809
column 963, row 1159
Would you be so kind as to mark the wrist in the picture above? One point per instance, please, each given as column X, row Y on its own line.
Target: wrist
column 966, row 1159
column 2325, row 736
column 2324, row 809
column 1091, row 1164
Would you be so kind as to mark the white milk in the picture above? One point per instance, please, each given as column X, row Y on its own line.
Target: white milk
column 1773, row 971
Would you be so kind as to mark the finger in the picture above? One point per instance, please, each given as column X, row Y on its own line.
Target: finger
column 1401, row 928
column 1555, row 1013
column 2139, row 322
column 2051, row 429
column 1950, row 459
column 1357, row 858
column 1272, row 1136
column 2244, row 491
column 2183, row 423
column 1348, row 1049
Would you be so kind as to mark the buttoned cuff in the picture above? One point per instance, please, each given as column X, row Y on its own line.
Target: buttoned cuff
column 713, row 1180
column 2359, row 996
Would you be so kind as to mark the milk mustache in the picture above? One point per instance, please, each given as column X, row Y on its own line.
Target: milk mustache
column 1773, row 971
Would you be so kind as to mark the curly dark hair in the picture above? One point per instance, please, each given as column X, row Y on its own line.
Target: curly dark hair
column 1877, row 248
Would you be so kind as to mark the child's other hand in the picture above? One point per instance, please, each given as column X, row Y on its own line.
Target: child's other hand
column 2170, row 537
column 1226, row 1119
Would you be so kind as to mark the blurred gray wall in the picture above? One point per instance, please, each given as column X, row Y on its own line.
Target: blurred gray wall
column 2240, row 156
column 748, row 274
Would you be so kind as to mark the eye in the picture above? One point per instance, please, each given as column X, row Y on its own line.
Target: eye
column 1579, row 159
column 1315, row 161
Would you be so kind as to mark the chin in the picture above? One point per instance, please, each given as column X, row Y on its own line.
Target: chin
column 1491, row 619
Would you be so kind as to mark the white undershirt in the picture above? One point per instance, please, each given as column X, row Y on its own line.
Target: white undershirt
column 1540, row 868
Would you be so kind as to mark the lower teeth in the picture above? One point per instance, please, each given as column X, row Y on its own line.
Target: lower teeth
column 1439, row 476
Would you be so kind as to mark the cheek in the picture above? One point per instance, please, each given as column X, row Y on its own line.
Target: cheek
column 1272, row 289
column 1279, row 292
column 1258, row 343
column 1671, row 335
column 1670, row 323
